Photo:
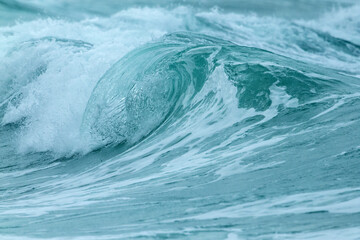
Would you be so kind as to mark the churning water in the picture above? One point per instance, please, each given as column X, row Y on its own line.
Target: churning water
column 179, row 119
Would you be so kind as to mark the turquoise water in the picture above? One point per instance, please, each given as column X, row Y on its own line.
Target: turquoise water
column 179, row 119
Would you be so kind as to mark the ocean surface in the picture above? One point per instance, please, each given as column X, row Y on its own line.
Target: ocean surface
column 226, row 120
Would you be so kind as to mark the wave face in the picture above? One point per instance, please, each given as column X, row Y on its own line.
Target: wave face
column 167, row 120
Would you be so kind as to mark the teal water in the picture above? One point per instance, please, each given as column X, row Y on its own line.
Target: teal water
column 180, row 119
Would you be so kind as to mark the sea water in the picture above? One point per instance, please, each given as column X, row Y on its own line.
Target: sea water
column 179, row 119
